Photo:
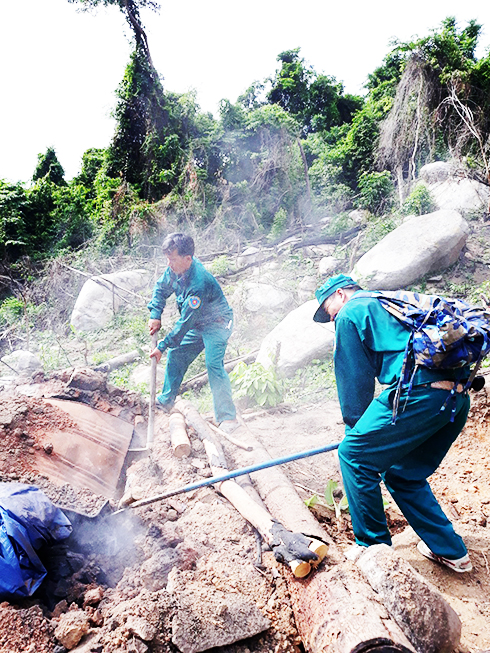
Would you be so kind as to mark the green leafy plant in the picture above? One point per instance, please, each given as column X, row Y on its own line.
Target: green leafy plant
column 419, row 202
column 337, row 505
column 11, row 310
column 329, row 500
column 220, row 265
column 279, row 224
column 317, row 378
column 258, row 383
column 376, row 191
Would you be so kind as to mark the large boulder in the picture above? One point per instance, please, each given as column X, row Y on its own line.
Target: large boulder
column 21, row 361
column 103, row 296
column 296, row 341
column 265, row 297
column 421, row 245
column 452, row 191
column 433, row 173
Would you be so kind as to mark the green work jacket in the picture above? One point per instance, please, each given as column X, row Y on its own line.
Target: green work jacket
column 370, row 345
column 200, row 301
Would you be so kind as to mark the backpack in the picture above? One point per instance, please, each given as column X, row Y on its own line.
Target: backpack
column 445, row 334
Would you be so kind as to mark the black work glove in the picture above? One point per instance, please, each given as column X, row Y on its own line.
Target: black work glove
column 287, row 546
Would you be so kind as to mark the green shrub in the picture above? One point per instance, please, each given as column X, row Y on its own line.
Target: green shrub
column 279, row 224
column 11, row 310
column 376, row 191
column 377, row 229
column 256, row 382
column 419, row 202
column 219, row 266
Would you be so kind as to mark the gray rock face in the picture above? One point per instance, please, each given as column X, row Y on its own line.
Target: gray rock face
column 328, row 265
column 101, row 297
column 306, row 288
column 296, row 341
column 460, row 195
column 435, row 172
column 141, row 374
column 419, row 246
column 250, row 255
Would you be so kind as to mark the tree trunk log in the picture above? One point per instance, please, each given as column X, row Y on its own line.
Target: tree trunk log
column 278, row 493
column 254, row 513
column 336, row 611
column 427, row 619
column 118, row 361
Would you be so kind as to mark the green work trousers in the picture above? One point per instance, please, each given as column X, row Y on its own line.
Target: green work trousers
column 403, row 455
column 213, row 340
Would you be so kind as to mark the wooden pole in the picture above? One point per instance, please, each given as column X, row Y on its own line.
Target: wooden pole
column 153, row 394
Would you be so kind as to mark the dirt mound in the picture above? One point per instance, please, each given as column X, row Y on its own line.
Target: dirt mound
column 187, row 572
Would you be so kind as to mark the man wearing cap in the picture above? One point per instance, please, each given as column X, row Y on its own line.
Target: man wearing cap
column 205, row 322
column 370, row 345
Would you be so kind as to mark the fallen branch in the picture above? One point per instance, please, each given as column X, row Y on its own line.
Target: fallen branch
column 200, row 379
column 230, row 438
column 102, row 283
column 328, row 240
column 119, row 361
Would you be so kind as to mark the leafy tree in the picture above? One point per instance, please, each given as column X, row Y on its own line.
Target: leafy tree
column 316, row 101
column 13, row 201
column 48, row 167
column 291, row 84
column 376, row 190
column 92, row 161
column 146, row 150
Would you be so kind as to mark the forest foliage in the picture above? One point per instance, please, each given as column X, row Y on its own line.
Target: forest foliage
column 292, row 148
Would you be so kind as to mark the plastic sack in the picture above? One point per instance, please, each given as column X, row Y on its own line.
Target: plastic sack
column 28, row 520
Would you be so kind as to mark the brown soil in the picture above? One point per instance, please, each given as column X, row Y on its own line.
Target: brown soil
column 135, row 575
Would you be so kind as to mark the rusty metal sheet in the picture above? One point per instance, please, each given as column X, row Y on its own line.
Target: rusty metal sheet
column 90, row 455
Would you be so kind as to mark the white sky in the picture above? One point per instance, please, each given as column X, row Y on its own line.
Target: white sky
column 60, row 68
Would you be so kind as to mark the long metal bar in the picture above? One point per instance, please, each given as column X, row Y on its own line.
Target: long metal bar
column 233, row 474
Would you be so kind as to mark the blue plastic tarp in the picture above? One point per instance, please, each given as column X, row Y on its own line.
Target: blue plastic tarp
column 28, row 520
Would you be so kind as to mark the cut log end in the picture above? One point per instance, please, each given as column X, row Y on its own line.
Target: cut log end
column 300, row 568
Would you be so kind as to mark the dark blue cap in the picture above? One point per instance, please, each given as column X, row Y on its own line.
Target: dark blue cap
column 328, row 288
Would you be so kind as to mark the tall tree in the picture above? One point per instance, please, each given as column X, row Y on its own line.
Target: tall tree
column 146, row 148
column 316, row 101
column 131, row 11
column 48, row 166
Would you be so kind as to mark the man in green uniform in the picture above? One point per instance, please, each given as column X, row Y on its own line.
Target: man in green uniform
column 205, row 322
column 370, row 344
